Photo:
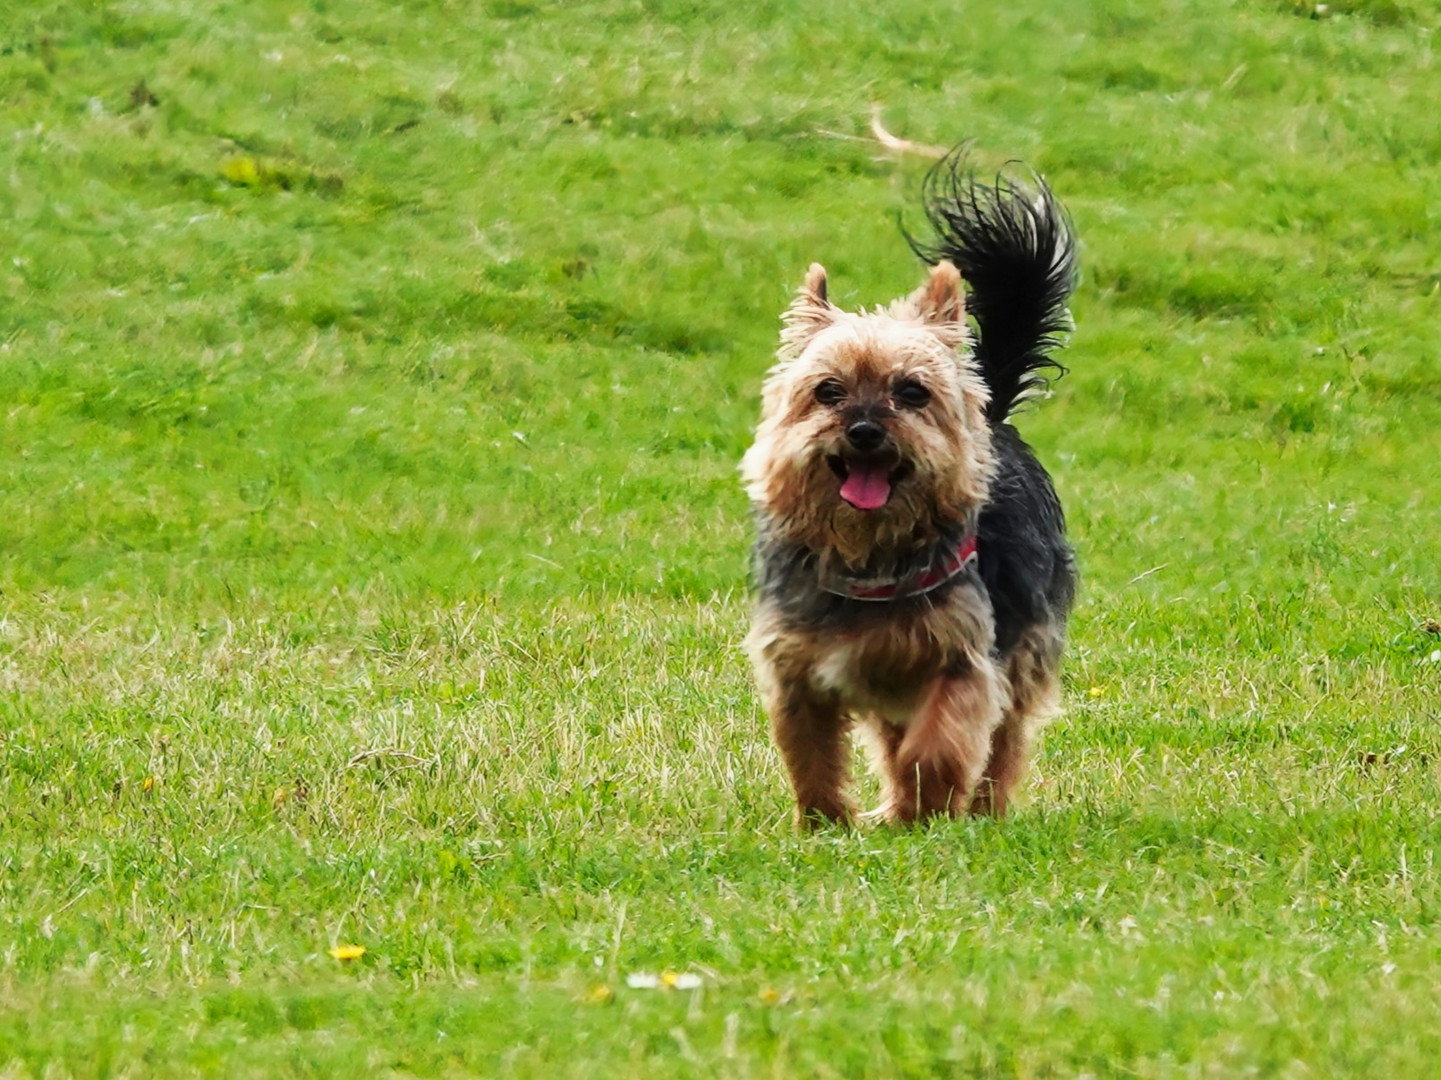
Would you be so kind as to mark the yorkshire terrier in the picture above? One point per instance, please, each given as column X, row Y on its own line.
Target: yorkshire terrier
column 913, row 573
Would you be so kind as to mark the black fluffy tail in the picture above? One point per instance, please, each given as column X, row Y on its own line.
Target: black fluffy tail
column 1015, row 248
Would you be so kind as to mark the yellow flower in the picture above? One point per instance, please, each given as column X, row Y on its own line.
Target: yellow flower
column 348, row 952
column 241, row 171
column 1097, row 691
column 149, row 785
column 599, row 995
column 666, row 980
column 769, row 996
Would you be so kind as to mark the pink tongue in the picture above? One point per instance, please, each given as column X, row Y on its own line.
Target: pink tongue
column 867, row 488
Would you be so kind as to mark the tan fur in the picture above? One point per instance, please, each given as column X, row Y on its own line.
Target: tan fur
column 785, row 469
column 926, row 689
column 949, row 729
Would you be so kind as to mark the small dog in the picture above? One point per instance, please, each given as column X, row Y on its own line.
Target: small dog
column 913, row 573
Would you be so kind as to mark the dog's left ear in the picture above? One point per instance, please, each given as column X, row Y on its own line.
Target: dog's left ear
column 810, row 312
column 940, row 301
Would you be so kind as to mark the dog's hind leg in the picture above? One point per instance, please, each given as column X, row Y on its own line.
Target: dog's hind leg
column 1031, row 671
column 882, row 740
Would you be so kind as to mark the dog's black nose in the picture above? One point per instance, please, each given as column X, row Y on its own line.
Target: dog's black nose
column 865, row 435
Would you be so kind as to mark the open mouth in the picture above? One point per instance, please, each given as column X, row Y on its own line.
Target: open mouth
column 866, row 482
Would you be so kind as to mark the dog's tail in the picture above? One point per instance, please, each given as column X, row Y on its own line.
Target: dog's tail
column 1015, row 248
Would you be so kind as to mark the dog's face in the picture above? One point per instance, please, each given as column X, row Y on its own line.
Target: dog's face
column 873, row 434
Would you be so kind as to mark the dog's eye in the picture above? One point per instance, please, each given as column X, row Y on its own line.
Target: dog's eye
column 911, row 394
column 830, row 392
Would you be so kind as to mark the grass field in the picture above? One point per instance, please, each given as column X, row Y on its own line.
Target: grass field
column 373, row 561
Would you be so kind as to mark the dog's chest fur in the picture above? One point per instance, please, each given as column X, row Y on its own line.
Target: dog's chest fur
column 861, row 675
column 888, row 661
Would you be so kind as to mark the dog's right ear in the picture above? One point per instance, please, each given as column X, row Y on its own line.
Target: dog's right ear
column 940, row 300
column 810, row 312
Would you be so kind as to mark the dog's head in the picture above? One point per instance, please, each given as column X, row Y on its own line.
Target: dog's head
column 873, row 437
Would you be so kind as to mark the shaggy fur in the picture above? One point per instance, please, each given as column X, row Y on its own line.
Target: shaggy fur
column 914, row 578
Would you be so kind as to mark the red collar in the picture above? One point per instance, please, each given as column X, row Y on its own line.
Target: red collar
column 902, row 588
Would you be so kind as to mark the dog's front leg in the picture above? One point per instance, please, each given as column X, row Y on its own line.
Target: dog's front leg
column 811, row 735
column 940, row 757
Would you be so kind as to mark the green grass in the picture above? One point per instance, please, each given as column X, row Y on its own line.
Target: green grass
column 373, row 562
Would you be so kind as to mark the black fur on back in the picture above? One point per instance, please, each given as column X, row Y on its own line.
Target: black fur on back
column 1026, row 565
column 1016, row 251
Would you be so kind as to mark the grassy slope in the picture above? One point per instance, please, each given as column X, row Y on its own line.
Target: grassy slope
column 380, row 388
